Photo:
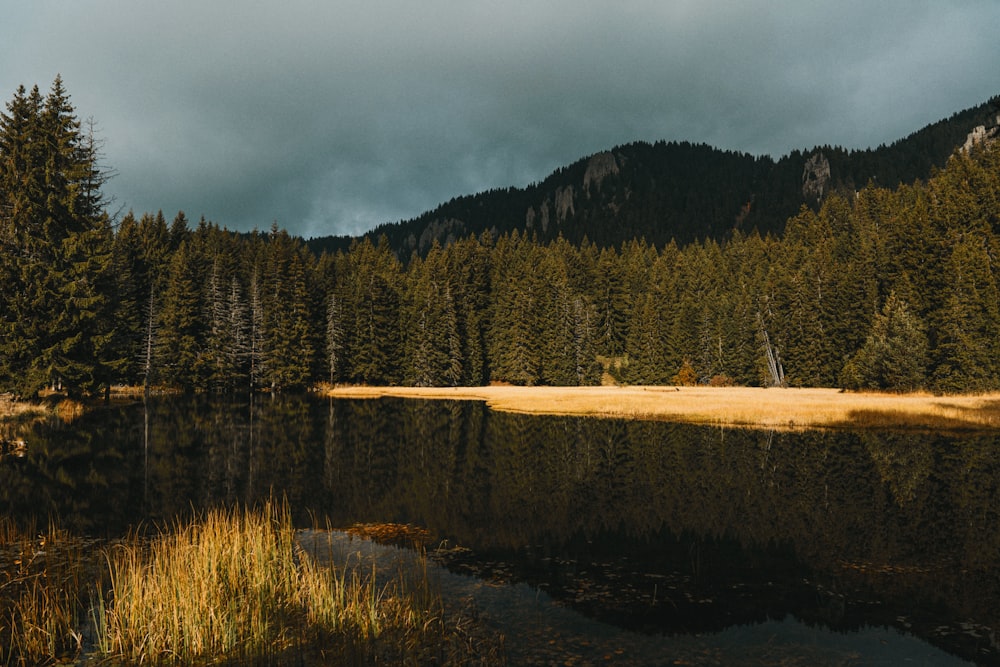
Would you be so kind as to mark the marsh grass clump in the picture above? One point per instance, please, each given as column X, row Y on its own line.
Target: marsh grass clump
column 229, row 587
column 209, row 587
column 236, row 585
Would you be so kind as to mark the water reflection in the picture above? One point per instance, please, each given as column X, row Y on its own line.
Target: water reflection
column 655, row 527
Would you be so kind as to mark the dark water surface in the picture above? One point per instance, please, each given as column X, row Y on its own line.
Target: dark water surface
column 585, row 541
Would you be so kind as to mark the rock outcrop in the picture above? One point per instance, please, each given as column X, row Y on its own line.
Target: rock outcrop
column 815, row 177
column 982, row 134
column 599, row 167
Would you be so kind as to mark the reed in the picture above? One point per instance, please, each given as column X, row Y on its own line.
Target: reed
column 209, row 587
column 235, row 584
column 41, row 593
column 229, row 587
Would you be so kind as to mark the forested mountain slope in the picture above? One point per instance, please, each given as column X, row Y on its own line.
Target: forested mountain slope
column 679, row 191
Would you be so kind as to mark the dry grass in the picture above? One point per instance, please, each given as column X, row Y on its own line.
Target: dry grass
column 237, row 584
column 206, row 588
column 138, row 391
column 41, row 591
column 232, row 587
column 732, row 406
column 11, row 410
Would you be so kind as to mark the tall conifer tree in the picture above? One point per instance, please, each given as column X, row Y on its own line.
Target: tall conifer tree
column 55, row 326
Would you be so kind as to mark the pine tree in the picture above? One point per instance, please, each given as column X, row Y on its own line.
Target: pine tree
column 612, row 303
column 555, row 321
column 83, row 353
column 288, row 332
column 965, row 357
column 433, row 344
column 894, row 355
column 181, row 321
column 25, row 253
column 256, row 335
column 226, row 316
column 646, row 344
column 746, row 261
column 336, row 336
column 373, row 277
column 652, row 353
column 469, row 263
column 131, row 295
column 55, row 327
column 514, row 345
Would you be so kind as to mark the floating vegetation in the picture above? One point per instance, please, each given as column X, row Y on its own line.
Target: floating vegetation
column 398, row 534
column 16, row 447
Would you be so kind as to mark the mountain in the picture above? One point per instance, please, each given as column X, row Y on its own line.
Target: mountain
column 681, row 191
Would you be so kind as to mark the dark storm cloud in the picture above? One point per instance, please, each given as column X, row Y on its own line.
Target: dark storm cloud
column 333, row 117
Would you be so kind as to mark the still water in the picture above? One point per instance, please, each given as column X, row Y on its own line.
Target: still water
column 584, row 541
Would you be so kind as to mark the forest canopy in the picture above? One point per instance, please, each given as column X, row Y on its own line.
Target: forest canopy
column 879, row 288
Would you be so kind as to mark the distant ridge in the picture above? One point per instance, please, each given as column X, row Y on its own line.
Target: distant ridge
column 681, row 191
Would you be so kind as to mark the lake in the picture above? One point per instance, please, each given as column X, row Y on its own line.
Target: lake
column 583, row 540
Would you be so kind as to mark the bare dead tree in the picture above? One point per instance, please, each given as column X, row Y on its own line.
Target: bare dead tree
column 772, row 355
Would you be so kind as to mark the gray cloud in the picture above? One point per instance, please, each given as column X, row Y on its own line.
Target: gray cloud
column 335, row 117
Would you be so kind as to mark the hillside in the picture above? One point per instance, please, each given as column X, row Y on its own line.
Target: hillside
column 680, row 191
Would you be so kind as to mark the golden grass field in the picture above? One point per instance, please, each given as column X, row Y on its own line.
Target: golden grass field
column 752, row 407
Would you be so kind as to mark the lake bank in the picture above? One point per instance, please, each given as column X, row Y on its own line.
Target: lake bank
column 746, row 407
column 750, row 407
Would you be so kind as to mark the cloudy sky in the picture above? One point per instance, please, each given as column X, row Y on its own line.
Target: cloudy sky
column 333, row 116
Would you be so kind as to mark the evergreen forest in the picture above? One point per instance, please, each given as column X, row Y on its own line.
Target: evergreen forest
column 889, row 288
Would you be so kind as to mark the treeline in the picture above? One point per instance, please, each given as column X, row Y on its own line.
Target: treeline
column 882, row 288
column 893, row 289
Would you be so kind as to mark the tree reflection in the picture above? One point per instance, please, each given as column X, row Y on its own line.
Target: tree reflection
column 503, row 481
column 909, row 519
column 79, row 476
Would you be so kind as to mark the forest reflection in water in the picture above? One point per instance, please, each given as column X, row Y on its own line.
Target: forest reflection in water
column 655, row 527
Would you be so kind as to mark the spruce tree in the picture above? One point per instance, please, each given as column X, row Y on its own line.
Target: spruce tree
column 469, row 263
column 181, row 321
column 965, row 357
column 515, row 354
column 612, row 303
column 433, row 348
column 336, row 336
column 555, row 322
column 55, row 312
column 289, row 340
column 894, row 356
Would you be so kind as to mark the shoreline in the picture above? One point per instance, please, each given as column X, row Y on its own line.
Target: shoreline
column 738, row 407
column 744, row 407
